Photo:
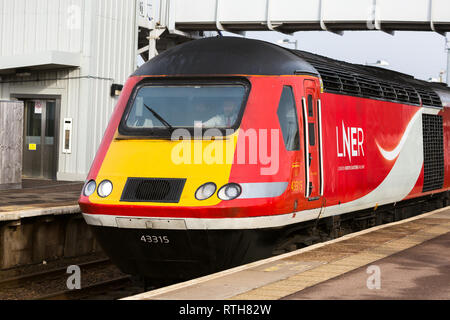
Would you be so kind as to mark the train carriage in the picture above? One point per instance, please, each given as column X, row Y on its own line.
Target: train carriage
column 221, row 149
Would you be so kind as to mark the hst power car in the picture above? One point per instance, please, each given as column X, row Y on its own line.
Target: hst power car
column 220, row 149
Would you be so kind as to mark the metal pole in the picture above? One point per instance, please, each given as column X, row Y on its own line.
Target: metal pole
column 152, row 38
column 152, row 44
column 447, row 47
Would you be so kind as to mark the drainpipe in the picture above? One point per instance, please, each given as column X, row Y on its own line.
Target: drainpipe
column 447, row 47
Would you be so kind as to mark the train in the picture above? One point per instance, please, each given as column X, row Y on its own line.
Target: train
column 222, row 150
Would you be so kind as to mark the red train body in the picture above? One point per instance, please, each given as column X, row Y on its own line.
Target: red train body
column 313, row 138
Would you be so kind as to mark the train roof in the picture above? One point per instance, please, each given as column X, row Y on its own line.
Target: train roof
column 241, row 56
column 225, row 56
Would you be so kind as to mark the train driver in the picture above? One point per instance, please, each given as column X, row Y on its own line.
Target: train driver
column 225, row 119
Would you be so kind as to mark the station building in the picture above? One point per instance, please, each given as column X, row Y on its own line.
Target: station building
column 66, row 60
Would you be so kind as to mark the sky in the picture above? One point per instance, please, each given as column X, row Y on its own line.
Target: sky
column 420, row 54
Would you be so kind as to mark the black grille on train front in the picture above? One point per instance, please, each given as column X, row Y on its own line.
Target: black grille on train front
column 433, row 152
column 153, row 190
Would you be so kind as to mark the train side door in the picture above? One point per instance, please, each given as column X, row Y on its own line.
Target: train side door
column 312, row 141
column 288, row 116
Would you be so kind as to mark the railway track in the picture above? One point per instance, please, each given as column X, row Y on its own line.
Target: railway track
column 106, row 290
column 56, row 272
column 100, row 279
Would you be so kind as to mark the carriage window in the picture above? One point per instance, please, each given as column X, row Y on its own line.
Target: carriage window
column 287, row 116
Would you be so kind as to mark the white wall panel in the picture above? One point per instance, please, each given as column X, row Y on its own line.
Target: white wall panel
column 295, row 10
column 238, row 10
column 18, row 30
column 29, row 26
column 53, row 26
column 441, row 10
column 403, row 10
column 41, row 25
column 30, row 20
column 5, row 27
column 347, row 10
column 204, row 10
column 308, row 14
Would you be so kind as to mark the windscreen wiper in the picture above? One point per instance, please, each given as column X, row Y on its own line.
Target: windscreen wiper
column 157, row 116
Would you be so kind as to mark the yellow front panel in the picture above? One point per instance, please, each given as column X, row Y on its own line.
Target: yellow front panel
column 207, row 161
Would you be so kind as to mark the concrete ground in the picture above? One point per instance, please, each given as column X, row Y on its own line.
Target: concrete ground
column 42, row 222
column 38, row 194
column 421, row 272
column 409, row 259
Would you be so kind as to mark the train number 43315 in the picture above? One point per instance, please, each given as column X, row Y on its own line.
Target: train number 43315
column 155, row 239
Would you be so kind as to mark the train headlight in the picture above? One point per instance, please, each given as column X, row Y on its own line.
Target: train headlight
column 229, row 191
column 105, row 188
column 89, row 188
column 205, row 191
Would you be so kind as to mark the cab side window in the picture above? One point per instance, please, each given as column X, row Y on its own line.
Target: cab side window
column 287, row 116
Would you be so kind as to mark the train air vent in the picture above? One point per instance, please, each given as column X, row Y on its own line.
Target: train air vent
column 369, row 88
column 331, row 80
column 349, row 84
column 401, row 93
column 153, row 190
column 433, row 152
column 388, row 91
column 436, row 100
column 429, row 98
column 371, row 82
column 412, row 95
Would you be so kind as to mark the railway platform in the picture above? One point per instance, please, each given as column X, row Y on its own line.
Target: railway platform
column 42, row 222
column 39, row 197
column 408, row 259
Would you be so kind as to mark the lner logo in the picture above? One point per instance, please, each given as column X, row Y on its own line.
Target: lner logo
column 349, row 142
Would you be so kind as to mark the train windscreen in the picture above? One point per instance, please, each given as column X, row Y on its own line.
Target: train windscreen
column 160, row 107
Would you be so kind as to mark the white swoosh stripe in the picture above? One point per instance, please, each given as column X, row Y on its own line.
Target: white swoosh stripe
column 391, row 155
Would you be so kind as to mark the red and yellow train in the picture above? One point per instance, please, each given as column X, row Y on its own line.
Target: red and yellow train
column 219, row 149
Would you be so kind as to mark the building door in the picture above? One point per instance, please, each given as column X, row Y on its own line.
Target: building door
column 312, row 141
column 40, row 139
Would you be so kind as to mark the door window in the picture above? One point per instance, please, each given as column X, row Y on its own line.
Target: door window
column 312, row 136
column 33, row 124
column 310, row 106
column 287, row 116
column 50, row 123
